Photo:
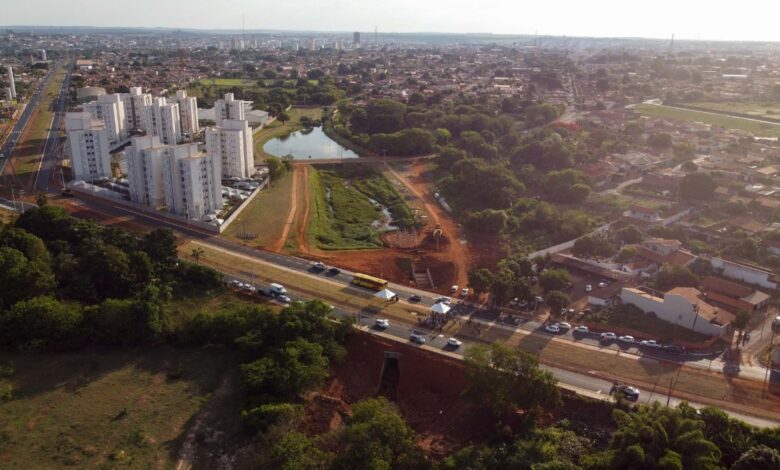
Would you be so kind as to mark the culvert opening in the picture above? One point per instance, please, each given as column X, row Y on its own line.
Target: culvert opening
column 391, row 372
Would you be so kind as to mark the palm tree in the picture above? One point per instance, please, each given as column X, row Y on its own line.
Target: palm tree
column 197, row 253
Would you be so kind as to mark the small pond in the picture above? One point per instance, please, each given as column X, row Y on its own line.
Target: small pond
column 308, row 144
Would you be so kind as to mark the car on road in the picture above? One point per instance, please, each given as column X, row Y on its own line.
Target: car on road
column 235, row 283
column 415, row 298
column 443, row 300
column 603, row 284
column 455, row 343
column 776, row 322
column 628, row 339
column 552, row 328
column 608, row 336
column 319, row 266
column 382, row 323
column 564, row 325
column 581, row 329
column 250, row 288
column 588, row 288
column 334, row 271
column 650, row 343
column 417, row 338
column 464, row 292
column 673, row 349
column 454, row 289
column 628, row 392
column 284, row 299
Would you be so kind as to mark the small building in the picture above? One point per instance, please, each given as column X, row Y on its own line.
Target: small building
column 684, row 306
column 643, row 214
column 744, row 273
column 604, row 296
column 734, row 296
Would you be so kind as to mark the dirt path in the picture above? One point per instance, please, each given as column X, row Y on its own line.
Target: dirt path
column 303, row 223
column 455, row 250
column 279, row 243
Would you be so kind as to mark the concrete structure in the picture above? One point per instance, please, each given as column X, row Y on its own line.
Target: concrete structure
column 135, row 104
column 356, row 39
column 43, row 55
column 744, row 273
column 188, row 113
column 684, row 306
column 89, row 146
column 162, row 119
column 231, row 144
column 144, row 170
column 11, row 83
column 90, row 93
column 643, row 214
column 228, row 108
column 191, row 182
column 111, row 111
column 734, row 296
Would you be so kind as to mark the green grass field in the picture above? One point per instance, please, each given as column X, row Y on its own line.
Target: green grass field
column 265, row 215
column 108, row 408
column 753, row 108
column 228, row 82
column 759, row 129
column 277, row 129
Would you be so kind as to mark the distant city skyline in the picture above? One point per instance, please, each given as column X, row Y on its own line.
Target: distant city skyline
column 749, row 20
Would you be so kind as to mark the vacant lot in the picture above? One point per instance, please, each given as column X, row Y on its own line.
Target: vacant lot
column 104, row 408
column 227, row 82
column 277, row 129
column 266, row 215
column 760, row 129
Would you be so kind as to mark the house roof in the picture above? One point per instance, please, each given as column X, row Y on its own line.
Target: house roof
column 709, row 312
column 662, row 241
column 722, row 286
column 676, row 258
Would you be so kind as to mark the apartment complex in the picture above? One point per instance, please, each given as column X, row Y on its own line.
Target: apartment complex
column 162, row 120
column 110, row 110
column 231, row 145
column 144, row 167
column 135, row 103
column 188, row 113
column 229, row 108
column 11, row 84
column 89, row 146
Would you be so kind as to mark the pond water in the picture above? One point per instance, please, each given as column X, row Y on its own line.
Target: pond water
column 307, row 143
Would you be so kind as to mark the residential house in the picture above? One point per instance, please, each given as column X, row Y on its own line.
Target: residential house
column 733, row 296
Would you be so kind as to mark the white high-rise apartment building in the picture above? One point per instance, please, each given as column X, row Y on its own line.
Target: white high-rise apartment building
column 111, row 111
column 191, row 181
column 144, row 170
column 11, row 84
column 135, row 102
column 228, row 108
column 188, row 111
column 231, row 144
column 162, row 119
column 89, row 147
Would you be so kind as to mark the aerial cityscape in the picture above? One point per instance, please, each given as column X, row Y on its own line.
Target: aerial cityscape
column 306, row 241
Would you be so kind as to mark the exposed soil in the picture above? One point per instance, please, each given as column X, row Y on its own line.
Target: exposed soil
column 279, row 243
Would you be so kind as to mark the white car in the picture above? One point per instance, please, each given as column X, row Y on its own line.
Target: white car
column 608, row 336
column 454, row 289
column 650, row 343
column 455, row 343
column 464, row 292
column 319, row 266
column 284, row 299
column 628, row 339
column 417, row 338
column 235, row 283
column 564, row 325
column 581, row 329
column 553, row 328
column 588, row 288
column 382, row 323
column 603, row 284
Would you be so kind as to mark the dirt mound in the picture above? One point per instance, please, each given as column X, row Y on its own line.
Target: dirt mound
column 429, row 391
column 323, row 413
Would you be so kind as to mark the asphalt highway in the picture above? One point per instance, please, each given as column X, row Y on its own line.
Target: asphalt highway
column 16, row 133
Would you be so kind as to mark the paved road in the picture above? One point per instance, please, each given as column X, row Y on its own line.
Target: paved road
column 48, row 164
column 10, row 144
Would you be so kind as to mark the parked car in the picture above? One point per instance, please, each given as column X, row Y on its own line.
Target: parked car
column 628, row 339
column 608, row 336
column 581, row 329
column 588, row 288
column 415, row 298
column 319, row 266
column 673, row 349
column 334, row 271
column 628, row 392
column 564, row 325
column 454, row 289
column 284, row 299
column 650, row 343
column 776, row 321
column 417, row 338
column 455, row 343
column 603, row 284
column 235, row 283
column 443, row 300
column 382, row 323
column 552, row 328
column 464, row 292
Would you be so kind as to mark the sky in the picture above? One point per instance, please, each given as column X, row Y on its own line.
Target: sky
column 754, row 20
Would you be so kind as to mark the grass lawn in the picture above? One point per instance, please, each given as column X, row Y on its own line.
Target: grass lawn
column 341, row 216
column 759, row 129
column 277, row 129
column 626, row 317
column 228, row 82
column 104, row 408
column 755, row 108
column 265, row 215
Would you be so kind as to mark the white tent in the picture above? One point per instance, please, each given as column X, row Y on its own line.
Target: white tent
column 385, row 294
column 440, row 308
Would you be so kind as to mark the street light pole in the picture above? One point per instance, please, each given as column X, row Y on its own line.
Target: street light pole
column 769, row 365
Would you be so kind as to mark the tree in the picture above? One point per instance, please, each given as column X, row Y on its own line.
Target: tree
column 504, row 380
column 297, row 451
column 670, row 277
column 22, row 278
column 197, row 253
column 625, row 254
column 596, row 245
column 556, row 300
column 276, row 167
column 660, row 141
column 657, row 437
column 298, row 366
column 160, row 244
column 740, row 322
column 377, row 437
column 283, row 117
column 760, row 457
column 480, row 280
column 554, row 279
column 697, row 187
column 629, row 234
column 40, row 323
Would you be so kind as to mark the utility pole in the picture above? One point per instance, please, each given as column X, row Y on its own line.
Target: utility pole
column 769, row 365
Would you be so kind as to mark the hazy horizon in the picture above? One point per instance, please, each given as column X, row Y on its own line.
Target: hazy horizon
column 696, row 19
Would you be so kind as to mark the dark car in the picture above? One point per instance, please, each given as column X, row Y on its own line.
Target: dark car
column 673, row 349
column 334, row 271
column 628, row 392
column 415, row 298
